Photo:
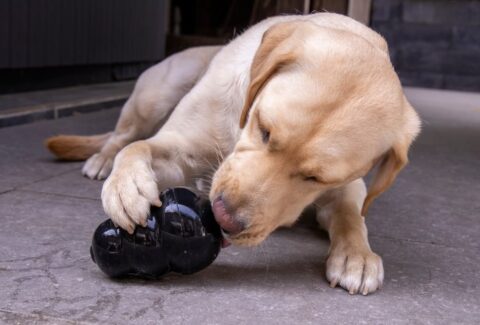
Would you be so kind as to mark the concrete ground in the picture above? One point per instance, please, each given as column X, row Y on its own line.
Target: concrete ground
column 426, row 228
column 57, row 103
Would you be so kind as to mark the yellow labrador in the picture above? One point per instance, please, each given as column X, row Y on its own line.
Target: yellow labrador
column 301, row 107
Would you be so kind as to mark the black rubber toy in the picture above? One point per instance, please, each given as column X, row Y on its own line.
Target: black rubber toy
column 181, row 236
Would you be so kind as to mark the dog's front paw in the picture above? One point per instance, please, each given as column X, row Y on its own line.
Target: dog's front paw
column 98, row 166
column 358, row 270
column 128, row 193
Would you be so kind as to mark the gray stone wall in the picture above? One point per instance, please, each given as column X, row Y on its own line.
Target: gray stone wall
column 433, row 43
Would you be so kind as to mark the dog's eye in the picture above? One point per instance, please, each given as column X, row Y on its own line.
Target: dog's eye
column 310, row 179
column 265, row 135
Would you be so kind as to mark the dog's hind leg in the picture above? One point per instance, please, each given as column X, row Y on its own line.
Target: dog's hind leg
column 156, row 93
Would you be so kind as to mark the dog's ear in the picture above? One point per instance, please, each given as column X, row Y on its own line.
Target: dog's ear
column 394, row 159
column 275, row 51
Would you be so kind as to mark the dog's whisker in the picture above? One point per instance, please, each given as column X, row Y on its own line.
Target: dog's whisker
column 217, row 150
column 208, row 166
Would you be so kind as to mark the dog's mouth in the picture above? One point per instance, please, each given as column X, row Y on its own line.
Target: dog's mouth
column 225, row 240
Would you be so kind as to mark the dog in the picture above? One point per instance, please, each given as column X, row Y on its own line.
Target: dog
column 293, row 112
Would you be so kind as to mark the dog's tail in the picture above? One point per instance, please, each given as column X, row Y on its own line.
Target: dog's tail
column 76, row 147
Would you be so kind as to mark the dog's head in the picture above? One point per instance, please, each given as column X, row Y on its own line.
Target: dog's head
column 323, row 107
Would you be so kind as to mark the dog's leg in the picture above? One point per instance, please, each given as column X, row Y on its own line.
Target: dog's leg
column 144, row 168
column 350, row 263
column 156, row 93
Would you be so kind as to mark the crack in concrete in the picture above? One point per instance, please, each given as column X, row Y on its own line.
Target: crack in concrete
column 34, row 317
column 46, row 178
column 156, row 306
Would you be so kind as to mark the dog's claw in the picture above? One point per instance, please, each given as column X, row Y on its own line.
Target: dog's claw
column 344, row 264
column 333, row 283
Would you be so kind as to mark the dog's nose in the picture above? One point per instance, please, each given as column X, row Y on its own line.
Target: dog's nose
column 224, row 217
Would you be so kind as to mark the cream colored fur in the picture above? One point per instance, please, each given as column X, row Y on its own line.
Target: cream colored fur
column 321, row 86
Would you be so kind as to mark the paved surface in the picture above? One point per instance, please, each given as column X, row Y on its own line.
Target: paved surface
column 426, row 228
column 55, row 103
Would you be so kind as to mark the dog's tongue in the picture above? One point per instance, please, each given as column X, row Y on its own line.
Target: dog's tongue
column 224, row 219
